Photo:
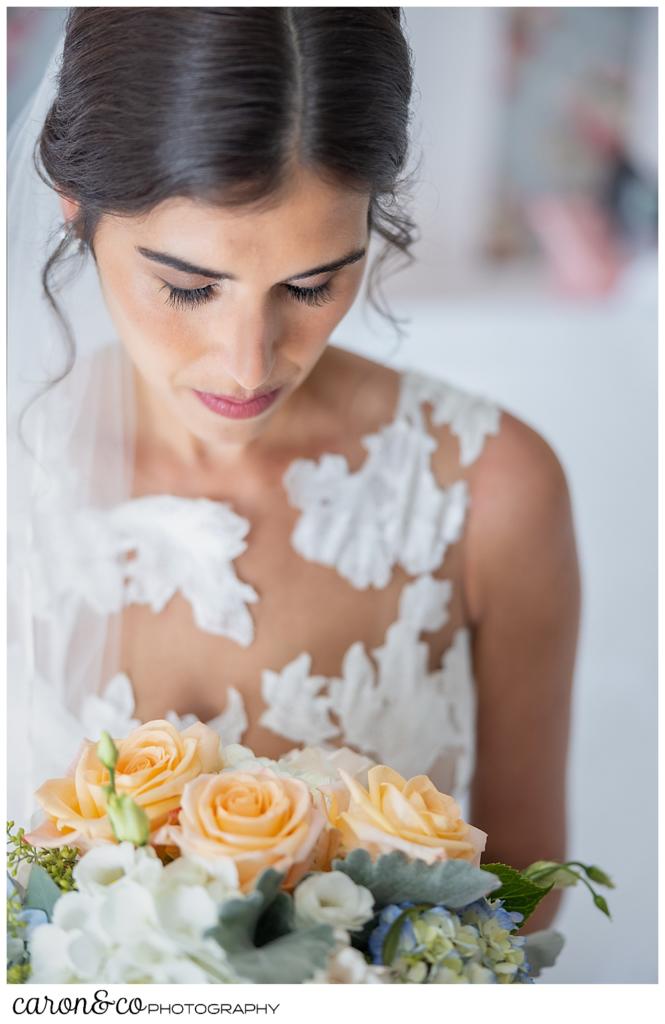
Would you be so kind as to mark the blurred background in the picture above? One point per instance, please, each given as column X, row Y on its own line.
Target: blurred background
column 535, row 283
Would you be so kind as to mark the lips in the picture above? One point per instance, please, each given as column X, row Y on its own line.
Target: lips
column 241, row 401
column 234, row 408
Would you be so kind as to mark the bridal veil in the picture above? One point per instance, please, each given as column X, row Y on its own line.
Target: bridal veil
column 69, row 403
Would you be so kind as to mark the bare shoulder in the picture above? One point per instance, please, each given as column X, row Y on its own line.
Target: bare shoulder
column 516, row 465
column 521, row 522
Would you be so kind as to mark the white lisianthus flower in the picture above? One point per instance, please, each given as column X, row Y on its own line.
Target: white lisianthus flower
column 331, row 897
column 133, row 921
column 318, row 766
column 347, row 966
column 238, row 758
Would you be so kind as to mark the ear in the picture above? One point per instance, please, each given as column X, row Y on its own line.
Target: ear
column 69, row 208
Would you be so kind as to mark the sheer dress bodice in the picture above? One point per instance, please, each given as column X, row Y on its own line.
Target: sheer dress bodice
column 383, row 665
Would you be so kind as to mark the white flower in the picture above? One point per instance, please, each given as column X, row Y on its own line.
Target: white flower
column 187, row 872
column 347, row 966
column 105, row 864
column 238, row 758
column 320, row 767
column 331, row 897
column 49, row 956
column 133, row 920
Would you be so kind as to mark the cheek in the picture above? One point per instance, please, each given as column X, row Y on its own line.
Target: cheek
column 307, row 332
column 153, row 333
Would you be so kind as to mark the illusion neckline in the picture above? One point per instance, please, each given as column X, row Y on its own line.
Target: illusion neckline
column 397, row 405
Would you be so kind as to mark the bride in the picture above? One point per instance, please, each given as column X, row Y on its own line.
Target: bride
column 214, row 511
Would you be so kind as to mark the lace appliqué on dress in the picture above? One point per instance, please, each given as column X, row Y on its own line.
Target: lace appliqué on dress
column 470, row 417
column 391, row 511
column 113, row 710
column 144, row 551
column 391, row 708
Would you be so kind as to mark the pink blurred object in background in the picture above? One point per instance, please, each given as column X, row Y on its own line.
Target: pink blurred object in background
column 22, row 26
column 584, row 255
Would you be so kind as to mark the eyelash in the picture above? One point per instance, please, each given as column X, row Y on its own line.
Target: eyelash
column 190, row 297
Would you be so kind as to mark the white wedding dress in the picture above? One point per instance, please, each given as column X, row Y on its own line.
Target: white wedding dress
column 384, row 702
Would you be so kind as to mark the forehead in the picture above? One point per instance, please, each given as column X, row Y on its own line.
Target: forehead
column 304, row 216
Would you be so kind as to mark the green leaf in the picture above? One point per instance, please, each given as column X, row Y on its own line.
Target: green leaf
column 394, row 878
column 42, row 892
column 290, row 960
column 519, row 893
column 238, row 918
column 256, row 932
column 277, row 919
column 542, row 949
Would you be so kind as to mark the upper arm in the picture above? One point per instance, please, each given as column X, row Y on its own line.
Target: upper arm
column 522, row 588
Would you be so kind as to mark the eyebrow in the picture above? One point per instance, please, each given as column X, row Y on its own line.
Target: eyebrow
column 190, row 268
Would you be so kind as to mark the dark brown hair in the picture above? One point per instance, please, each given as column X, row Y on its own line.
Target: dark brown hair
column 219, row 104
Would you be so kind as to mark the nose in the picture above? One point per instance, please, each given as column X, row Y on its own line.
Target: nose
column 249, row 350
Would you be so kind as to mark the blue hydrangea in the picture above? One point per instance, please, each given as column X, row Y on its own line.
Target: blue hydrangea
column 475, row 945
column 387, row 917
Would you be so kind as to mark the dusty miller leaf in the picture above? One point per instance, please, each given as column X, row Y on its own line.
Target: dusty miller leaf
column 394, row 878
column 42, row 892
column 542, row 949
column 258, row 935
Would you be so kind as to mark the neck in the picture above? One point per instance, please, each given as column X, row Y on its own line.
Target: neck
column 161, row 435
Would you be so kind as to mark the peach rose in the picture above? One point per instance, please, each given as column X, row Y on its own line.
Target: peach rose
column 155, row 762
column 255, row 820
column 409, row 816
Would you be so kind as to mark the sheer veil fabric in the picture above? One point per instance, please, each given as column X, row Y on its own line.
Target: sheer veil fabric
column 70, row 446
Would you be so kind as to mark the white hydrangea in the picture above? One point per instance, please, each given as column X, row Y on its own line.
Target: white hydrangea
column 132, row 920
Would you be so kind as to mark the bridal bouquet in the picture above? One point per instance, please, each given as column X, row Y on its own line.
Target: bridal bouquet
column 166, row 857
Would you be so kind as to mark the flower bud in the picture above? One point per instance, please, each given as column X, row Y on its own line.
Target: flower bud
column 107, row 752
column 597, row 874
column 128, row 820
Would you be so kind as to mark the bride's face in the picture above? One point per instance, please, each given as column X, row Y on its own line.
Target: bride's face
column 211, row 302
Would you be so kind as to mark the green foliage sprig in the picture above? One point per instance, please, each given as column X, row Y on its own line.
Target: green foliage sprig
column 18, row 966
column 550, row 873
column 58, row 863
column 18, row 974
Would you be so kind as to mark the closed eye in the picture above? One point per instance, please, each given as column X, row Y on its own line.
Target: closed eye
column 312, row 296
column 181, row 298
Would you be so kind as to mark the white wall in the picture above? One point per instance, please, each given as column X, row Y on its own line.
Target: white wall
column 456, row 125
